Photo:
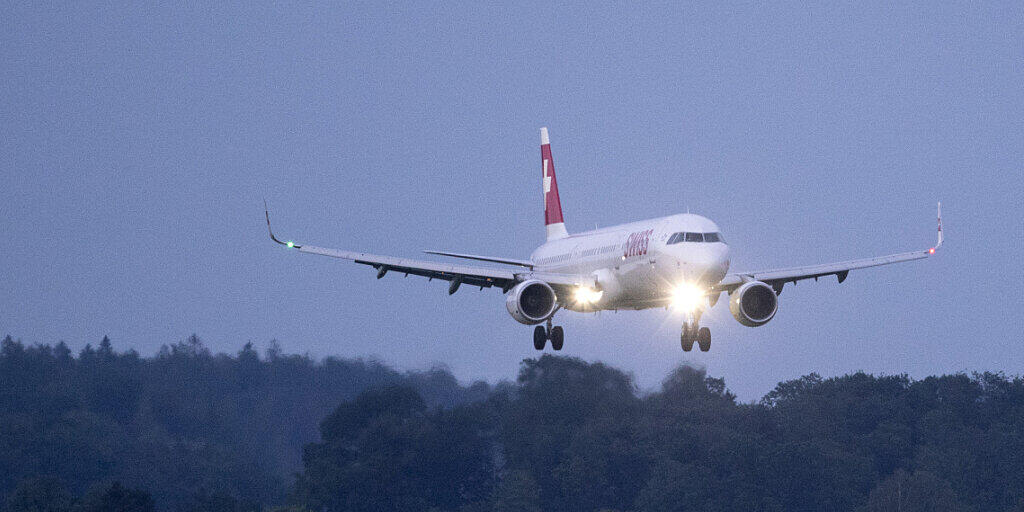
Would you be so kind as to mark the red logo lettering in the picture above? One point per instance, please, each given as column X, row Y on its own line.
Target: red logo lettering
column 637, row 243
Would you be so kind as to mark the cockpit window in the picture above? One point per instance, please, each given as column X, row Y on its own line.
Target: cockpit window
column 694, row 237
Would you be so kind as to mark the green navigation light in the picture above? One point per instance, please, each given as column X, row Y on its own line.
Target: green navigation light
column 291, row 244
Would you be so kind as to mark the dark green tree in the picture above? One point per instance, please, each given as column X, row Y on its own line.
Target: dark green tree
column 571, row 426
column 219, row 502
column 913, row 492
column 115, row 497
column 387, row 451
column 517, row 492
column 39, row 495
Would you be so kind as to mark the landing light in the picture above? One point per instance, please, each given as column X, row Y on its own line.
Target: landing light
column 687, row 297
column 584, row 295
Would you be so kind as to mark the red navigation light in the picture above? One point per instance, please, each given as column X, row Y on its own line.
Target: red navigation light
column 931, row 251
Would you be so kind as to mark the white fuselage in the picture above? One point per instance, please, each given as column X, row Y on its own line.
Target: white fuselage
column 635, row 263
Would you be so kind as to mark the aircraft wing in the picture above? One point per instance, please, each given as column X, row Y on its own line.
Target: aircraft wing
column 457, row 275
column 492, row 259
column 778, row 277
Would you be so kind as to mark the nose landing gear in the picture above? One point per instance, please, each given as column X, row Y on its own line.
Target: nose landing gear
column 543, row 333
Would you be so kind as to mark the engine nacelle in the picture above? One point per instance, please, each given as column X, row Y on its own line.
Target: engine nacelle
column 754, row 303
column 531, row 302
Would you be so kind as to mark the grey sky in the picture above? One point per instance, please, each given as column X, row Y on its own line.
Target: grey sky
column 137, row 143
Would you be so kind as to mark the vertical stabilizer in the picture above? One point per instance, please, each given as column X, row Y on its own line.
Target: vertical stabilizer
column 553, row 221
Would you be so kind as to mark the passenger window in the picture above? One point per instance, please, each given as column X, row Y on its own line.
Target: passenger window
column 694, row 237
column 711, row 237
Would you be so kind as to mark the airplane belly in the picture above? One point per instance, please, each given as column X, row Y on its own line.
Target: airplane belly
column 635, row 284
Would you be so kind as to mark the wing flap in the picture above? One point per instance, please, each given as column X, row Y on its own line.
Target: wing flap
column 467, row 274
column 446, row 271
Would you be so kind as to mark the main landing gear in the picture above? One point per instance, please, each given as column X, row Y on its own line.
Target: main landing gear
column 693, row 332
column 543, row 333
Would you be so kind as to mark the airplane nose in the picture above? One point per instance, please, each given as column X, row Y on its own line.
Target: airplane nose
column 709, row 264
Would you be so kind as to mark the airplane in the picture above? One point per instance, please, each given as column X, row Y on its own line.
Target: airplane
column 679, row 261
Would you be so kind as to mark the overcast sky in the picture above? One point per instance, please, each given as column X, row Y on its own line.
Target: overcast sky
column 137, row 144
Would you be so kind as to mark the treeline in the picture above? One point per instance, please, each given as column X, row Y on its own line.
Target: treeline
column 573, row 436
column 213, row 432
column 185, row 426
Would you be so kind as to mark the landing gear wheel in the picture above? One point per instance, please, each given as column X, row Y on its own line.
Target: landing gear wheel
column 686, row 338
column 540, row 337
column 704, row 339
column 686, row 343
column 557, row 337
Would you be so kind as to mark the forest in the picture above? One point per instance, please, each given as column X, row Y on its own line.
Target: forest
column 187, row 429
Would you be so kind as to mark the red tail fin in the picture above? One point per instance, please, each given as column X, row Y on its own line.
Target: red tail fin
column 552, row 204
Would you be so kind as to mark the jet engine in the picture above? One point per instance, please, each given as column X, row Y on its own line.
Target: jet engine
column 531, row 302
column 754, row 303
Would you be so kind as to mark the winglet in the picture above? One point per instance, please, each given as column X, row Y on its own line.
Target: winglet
column 939, row 242
column 289, row 244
